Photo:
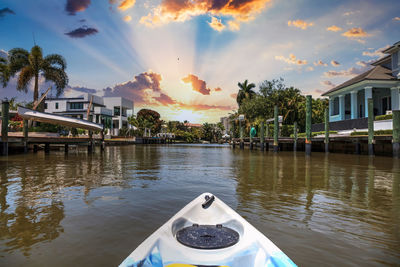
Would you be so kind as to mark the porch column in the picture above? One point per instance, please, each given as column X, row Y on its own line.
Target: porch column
column 367, row 94
column 341, row 107
column 354, row 105
column 395, row 98
column 330, row 105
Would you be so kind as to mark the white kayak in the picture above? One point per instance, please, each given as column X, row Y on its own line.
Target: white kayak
column 207, row 232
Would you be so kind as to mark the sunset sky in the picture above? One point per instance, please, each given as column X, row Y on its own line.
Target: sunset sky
column 184, row 58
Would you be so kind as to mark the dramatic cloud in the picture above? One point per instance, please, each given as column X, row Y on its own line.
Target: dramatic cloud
column 216, row 24
column 197, row 84
column 145, row 89
column 5, row 11
column 127, row 18
column 334, row 28
column 300, row 24
column 376, row 53
column 328, row 83
column 73, row 6
column 355, row 33
column 218, row 89
column 346, row 73
column 126, row 4
column 183, row 10
column 234, row 25
column 320, row 63
column 335, row 63
column 82, row 32
column 291, row 60
column 396, row 18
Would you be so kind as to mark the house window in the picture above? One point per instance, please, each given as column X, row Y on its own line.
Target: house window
column 56, row 105
column 117, row 111
column 45, row 105
column 395, row 60
column 76, row 105
column 335, row 106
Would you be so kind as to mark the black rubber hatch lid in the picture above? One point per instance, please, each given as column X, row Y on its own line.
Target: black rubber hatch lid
column 207, row 236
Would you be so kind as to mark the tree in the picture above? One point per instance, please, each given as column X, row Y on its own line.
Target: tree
column 32, row 64
column 151, row 118
column 4, row 71
column 245, row 91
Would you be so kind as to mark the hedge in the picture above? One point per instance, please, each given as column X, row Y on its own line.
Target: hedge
column 379, row 132
column 384, row 117
column 313, row 134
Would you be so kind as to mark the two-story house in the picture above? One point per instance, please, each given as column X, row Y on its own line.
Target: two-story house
column 381, row 83
column 110, row 111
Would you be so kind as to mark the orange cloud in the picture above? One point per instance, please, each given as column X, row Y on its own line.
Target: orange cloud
column 234, row 25
column 126, row 4
column 180, row 11
column 216, row 24
column 218, row 89
column 234, row 95
column 355, row 33
column 376, row 53
column 145, row 90
column 197, row 84
column 300, row 24
column 335, row 63
column 127, row 18
column 396, row 18
column 320, row 63
column 334, row 28
column 291, row 60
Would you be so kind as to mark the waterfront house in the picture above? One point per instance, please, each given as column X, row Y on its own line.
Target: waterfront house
column 348, row 101
column 113, row 112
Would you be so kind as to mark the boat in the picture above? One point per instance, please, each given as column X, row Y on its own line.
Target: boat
column 207, row 232
column 29, row 114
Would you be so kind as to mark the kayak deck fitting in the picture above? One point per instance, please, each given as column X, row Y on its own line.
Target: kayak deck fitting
column 207, row 232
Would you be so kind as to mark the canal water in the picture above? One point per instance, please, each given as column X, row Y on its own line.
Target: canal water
column 85, row 209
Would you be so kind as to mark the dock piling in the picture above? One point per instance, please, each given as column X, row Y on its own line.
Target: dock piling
column 295, row 136
column 251, row 139
column 371, row 140
column 308, row 124
column 5, row 105
column 241, row 135
column 262, row 136
column 46, row 148
column 326, row 130
column 90, row 144
column 66, row 148
column 396, row 133
column 276, row 129
column 25, row 123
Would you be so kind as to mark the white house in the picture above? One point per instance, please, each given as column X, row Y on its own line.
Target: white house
column 110, row 111
column 349, row 100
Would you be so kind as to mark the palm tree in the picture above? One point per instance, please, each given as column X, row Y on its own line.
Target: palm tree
column 31, row 65
column 245, row 91
column 4, row 71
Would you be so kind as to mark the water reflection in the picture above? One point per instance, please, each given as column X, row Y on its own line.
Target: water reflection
column 314, row 208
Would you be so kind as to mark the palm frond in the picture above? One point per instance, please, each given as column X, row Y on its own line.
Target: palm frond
column 55, row 59
column 18, row 59
column 58, row 76
column 25, row 76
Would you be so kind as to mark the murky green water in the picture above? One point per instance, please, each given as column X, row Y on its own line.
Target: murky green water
column 93, row 210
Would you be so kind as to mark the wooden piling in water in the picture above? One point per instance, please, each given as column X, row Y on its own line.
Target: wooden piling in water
column 276, row 129
column 262, row 136
column 370, row 127
column 25, row 129
column 46, row 148
column 241, row 135
column 295, row 136
column 396, row 133
column 326, row 141
column 66, row 148
column 90, row 144
column 102, row 143
column 5, row 106
column 308, row 124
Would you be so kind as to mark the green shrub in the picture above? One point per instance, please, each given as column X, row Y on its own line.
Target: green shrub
column 286, row 130
column 383, row 117
column 313, row 134
column 379, row 132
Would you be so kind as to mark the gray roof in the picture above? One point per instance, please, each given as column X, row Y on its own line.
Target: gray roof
column 379, row 73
